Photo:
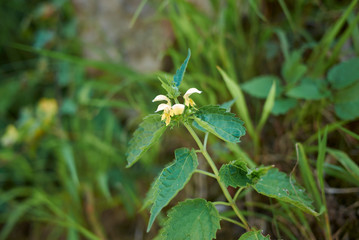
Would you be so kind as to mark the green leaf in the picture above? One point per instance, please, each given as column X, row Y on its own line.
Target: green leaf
column 241, row 105
column 347, row 111
column 228, row 105
column 278, row 185
column 256, row 173
column 220, row 123
column 254, row 235
column 322, row 148
column 148, row 132
column 282, row 106
column 235, row 174
column 293, row 70
column 150, row 195
column 171, row 180
column 192, row 219
column 307, row 176
column 308, row 91
column 172, row 92
column 267, row 108
column 346, row 161
column 347, row 102
column 344, row 74
column 177, row 79
column 260, row 86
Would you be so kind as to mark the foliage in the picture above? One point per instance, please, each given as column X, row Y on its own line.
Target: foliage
column 198, row 218
column 221, row 123
column 171, row 180
column 254, row 235
column 149, row 132
column 192, row 219
column 277, row 185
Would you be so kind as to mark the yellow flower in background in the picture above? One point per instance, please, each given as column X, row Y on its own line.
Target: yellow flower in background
column 188, row 101
column 47, row 108
column 10, row 137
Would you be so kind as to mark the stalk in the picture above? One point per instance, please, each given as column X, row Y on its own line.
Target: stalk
column 216, row 173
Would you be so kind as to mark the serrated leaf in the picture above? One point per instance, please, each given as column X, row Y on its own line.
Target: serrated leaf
column 171, row 180
column 177, row 79
column 278, row 185
column 228, row 105
column 192, row 219
column 260, row 86
column 220, row 123
column 150, row 195
column 235, row 174
column 282, row 106
column 344, row 74
column 256, row 173
column 254, row 235
column 147, row 133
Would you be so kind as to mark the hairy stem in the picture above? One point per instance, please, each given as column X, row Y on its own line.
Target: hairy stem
column 216, row 173
column 205, row 173
column 237, row 194
column 222, row 203
column 233, row 221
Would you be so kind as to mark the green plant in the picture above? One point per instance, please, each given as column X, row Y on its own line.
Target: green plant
column 199, row 218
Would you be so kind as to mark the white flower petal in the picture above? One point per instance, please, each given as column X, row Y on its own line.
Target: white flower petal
column 192, row 90
column 178, row 109
column 161, row 98
column 162, row 107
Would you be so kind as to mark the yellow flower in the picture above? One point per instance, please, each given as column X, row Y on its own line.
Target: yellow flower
column 188, row 101
column 10, row 137
column 178, row 109
column 47, row 108
column 168, row 110
column 162, row 98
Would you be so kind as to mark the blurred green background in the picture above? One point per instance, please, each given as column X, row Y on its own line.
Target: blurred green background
column 77, row 77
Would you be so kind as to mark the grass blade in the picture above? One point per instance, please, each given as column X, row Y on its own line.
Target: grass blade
column 346, row 161
column 268, row 106
column 320, row 160
column 317, row 57
column 307, row 174
column 237, row 94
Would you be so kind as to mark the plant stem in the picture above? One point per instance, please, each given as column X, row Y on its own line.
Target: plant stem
column 216, row 173
column 237, row 194
column 91, row 214
column 205, row 173
column 221, row 203
column 233, row 221
column 205, row 140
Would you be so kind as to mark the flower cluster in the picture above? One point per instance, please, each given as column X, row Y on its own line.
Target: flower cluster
column 177, row 109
